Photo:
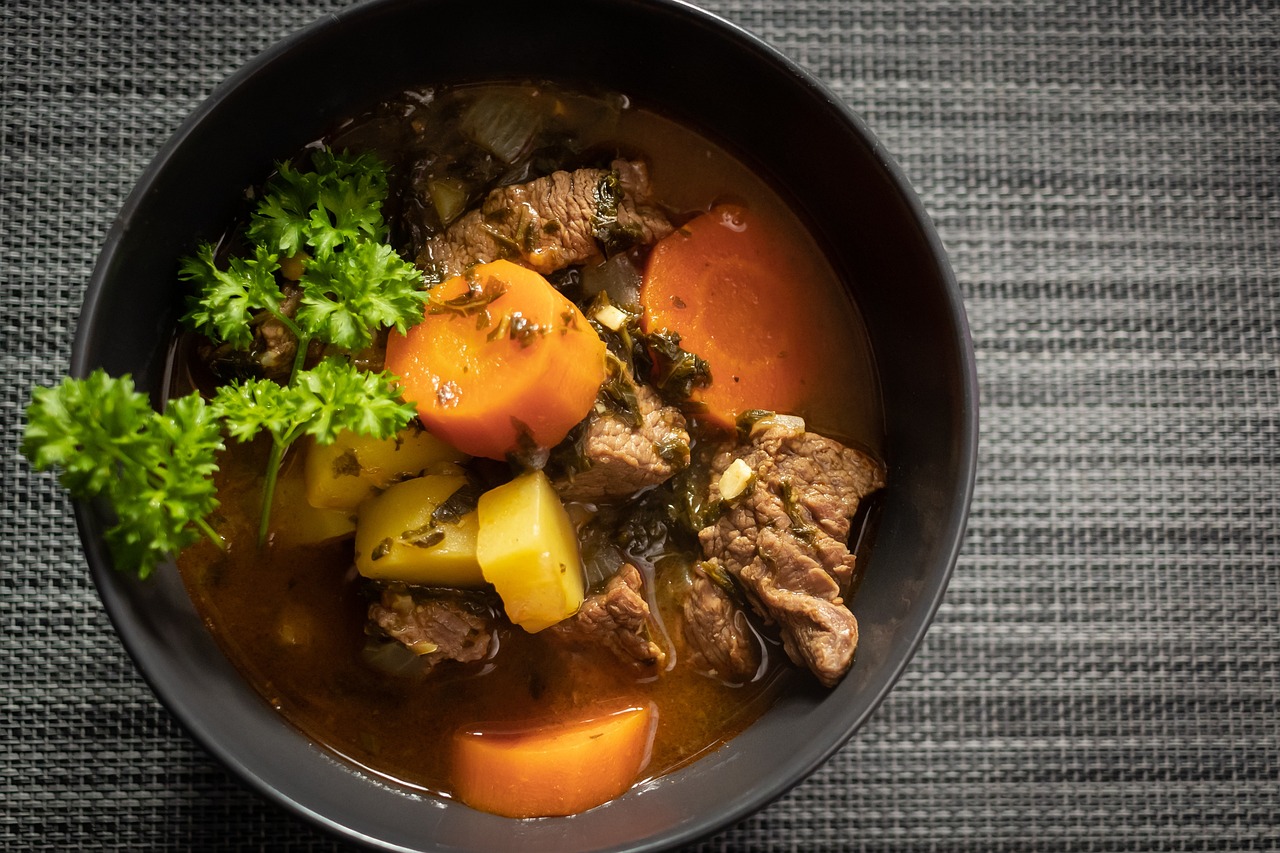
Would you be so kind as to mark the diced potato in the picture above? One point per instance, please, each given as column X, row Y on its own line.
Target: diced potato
column 528, row 550
column 355, row 467
column 397, row 539
column 302, row 524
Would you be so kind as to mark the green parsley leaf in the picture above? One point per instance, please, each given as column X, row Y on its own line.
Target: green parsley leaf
column 283, row 218
column 254, row 405
column 348, row 294
column 323, row 401
column 338, row 201
column 351, row 399
column 156, row 470
column 229, row 297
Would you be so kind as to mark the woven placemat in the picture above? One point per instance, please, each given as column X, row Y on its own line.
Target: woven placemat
column 1105, row 671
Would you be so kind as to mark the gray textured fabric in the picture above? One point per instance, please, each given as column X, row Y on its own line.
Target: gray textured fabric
column 1104, row 672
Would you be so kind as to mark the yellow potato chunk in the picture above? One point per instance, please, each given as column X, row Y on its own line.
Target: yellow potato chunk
column 301, row 524
column 528, row 550
column 397, row 538
column 354, row 468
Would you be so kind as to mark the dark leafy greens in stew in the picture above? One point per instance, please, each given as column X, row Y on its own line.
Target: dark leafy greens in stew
column 518, row 450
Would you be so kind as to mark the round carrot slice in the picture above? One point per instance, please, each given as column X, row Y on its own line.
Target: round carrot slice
column 502, row 358
column 735, row 293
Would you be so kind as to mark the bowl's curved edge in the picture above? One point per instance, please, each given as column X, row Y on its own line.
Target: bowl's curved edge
column 962, row 495
column 89, row 522
column 88, row 518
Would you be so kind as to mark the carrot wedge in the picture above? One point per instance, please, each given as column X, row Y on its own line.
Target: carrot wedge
column 558, row 768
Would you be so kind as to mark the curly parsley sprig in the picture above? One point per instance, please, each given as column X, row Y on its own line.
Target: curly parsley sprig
column 156, row 469
column 353, row 284
column 230, row 297
column 332, row 397
column 335, row 204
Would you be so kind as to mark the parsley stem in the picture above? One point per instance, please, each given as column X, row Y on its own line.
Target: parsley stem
column 300, row 355
column 279, row 445
column 212, row 535
column 269, row 488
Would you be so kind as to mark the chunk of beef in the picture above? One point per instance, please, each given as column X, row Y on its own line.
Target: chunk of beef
column 274, row 345
column 552, row 222
column 616, row 618
column 436, row 627
column 785, row 539
column 721, row 642
column 618, row 459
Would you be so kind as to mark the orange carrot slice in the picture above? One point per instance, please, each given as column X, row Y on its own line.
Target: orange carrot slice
column 736, row 294
column 555, row 769
column 500, row 357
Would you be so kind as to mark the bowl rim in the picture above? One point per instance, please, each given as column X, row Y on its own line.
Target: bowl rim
column 961, row 493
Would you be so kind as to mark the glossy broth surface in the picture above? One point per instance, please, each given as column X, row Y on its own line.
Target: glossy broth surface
column 293, row 618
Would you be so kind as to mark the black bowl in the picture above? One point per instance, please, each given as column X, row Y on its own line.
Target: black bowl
column 710, row 75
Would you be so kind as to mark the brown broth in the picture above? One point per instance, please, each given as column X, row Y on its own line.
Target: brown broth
column 292, row 618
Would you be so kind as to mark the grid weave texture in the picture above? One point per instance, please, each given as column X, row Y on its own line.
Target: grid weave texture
column 1105, row 671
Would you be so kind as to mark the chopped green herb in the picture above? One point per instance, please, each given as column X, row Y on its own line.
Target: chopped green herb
column 612, row 234
column 458, row 504
column 675, row 371
column 518, row 328
column 381, row 550
column 748, row 419
column 427, row 536
column 801, row 527
column 618, row 392
column 347, row 465
column 476, row 300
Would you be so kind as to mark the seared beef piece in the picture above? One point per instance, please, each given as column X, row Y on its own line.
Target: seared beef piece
column 617, row 618
column 436, row 627
column 274, row 346
column 785, row 539
column 619, row 459
column 551, row 222
column 720, row 639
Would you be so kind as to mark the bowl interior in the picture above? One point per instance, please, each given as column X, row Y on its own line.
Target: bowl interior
column 705, row 73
